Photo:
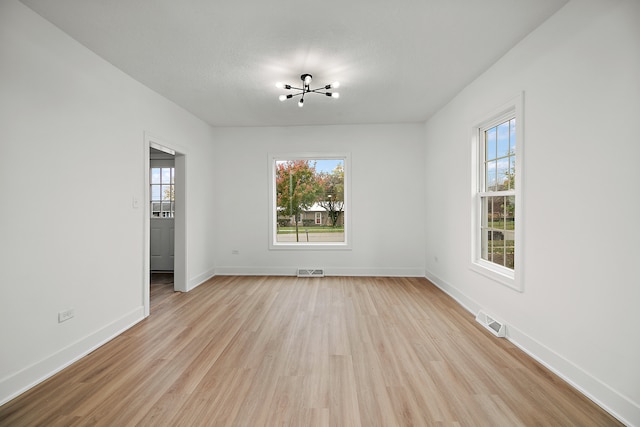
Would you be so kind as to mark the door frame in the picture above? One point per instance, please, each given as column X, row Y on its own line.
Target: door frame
column 180, row 220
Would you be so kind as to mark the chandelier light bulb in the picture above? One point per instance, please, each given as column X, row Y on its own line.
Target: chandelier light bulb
column 335, row 95
column 280, row 85
column 335, row 85
column 301, row 103
column 282, row 97
column 307, row 79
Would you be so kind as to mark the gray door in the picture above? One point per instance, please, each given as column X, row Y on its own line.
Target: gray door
column 162, row 244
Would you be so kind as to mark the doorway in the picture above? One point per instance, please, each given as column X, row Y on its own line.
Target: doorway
column 162, row 219
column 162, row 230
column 165, row 217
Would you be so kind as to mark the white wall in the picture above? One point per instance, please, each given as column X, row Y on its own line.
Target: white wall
column 387, row 199
column 580, row 72
column 71, row 161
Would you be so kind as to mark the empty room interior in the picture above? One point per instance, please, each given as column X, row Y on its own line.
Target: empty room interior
column 361, row 213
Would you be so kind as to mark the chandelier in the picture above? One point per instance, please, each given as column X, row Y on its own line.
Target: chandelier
column 306, row 82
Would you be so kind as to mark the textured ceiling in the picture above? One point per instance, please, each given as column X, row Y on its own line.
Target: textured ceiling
column 397, row 61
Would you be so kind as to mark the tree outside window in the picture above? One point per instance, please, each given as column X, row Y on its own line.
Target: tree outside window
column 309, row 201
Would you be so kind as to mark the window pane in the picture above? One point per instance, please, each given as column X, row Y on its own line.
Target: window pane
column 503, row 140
column 498, row 230
column 155, row 175
column 512, row 173
column 306, row 191
column 509, row 258
column 502, row 174
column 490, row 141
column 490, row 247
column 512, row 136
column 167, row 193
column 485, row 244
column 484, row 220
column 155, row 192
column 491, row 176
column 510, row 213
column 489, row 211
column 166, row 175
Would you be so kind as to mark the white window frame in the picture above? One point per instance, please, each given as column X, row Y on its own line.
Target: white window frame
column 346, row 212
column 512, row 278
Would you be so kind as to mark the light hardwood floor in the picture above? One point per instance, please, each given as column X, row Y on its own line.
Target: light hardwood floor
column 333, row 351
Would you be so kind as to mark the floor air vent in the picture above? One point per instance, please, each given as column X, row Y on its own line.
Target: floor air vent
column 310, row 272
column 497, row 328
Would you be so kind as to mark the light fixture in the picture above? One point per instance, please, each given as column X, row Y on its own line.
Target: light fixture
column 306, row 83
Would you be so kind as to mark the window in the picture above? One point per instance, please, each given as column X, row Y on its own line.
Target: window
column 497, row 196
column 309, row 201
column 162, row 192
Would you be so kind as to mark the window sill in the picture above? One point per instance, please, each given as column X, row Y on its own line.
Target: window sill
column 504, row 276
column 319, row 246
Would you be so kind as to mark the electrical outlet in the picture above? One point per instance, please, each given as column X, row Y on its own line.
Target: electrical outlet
column 65, row 315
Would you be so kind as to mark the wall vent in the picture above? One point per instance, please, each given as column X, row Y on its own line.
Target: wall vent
column 494, row 326
column 310, row 272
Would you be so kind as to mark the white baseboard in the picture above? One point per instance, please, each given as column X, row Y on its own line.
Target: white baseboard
column 618, row 405
column 255, row 271
column 200, row 279
column 467, row 303
column 377, row 272
column 328, row 271
column 19, row 382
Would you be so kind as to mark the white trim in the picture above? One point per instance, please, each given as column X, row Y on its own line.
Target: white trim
column 305, row 246
column 618, row 405
column 146, row 227
column 200, row 279
column 514, row 279
column 467, row 303
column 160, row 147
column 597, row 391
column 21, row 381
column 331, row 271
column 181, row 252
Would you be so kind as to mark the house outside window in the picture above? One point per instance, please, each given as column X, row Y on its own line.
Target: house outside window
column 497, row 217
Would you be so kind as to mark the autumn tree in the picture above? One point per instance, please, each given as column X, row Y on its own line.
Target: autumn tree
column 332, row 195
column 297, row 188
column 509, row 184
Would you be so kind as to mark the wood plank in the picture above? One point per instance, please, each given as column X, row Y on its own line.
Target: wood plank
column 339, row 351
